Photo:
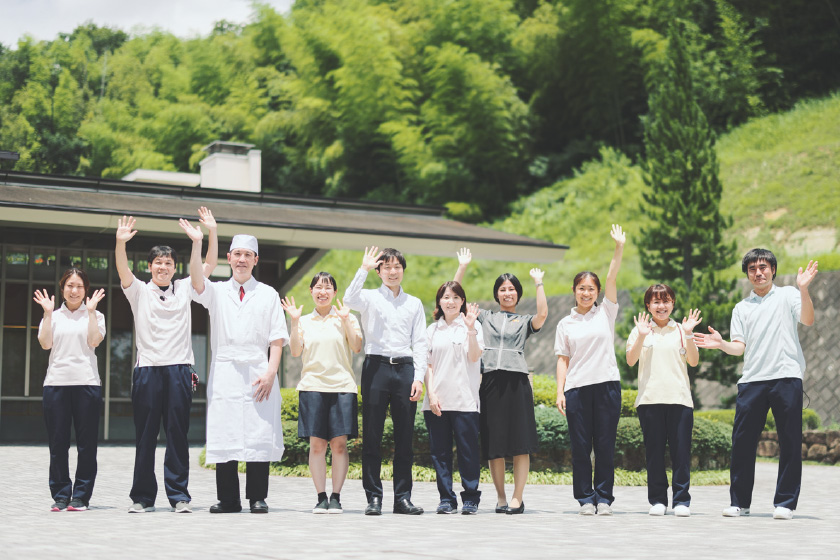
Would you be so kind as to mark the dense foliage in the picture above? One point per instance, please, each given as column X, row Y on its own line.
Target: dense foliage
column 472, row 102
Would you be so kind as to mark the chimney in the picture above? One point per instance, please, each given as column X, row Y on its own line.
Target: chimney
column 231, row 166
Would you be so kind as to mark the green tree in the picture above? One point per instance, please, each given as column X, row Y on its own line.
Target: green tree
column 682, row 243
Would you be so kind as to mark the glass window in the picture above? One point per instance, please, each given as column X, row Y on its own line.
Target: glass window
column 122, row 345
column 17, row 262
column 14, row 362
column 43, row 265
column 70, row 258
column 97, row 266
column 38, row 357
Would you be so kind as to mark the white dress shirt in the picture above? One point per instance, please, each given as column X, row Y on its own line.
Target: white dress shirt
column 395, row 326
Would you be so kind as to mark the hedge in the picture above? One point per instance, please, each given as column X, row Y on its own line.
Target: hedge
column 810, row 419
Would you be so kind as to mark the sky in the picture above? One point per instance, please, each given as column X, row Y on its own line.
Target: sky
column 44, row 19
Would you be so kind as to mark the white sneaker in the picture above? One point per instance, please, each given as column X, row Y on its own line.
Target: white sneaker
column 658, row 509
column 735, row 511
column 604, row 509
column 182, row 507
column 587, row 509
column 139, row 507
column 782, row 513
column 682, row 511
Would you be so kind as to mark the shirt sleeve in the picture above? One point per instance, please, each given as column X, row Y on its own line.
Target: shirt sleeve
column 100, row 323
column 634, row 334
column 353, row 296
column 132, row 293
column 611, row 309
column 419, row 347
column 561, row 345
column 278, row 321
column 795, row 299
column 479, row 335
column 354, row 324
column 531, row 329
column 205, row 298
column 736, row 326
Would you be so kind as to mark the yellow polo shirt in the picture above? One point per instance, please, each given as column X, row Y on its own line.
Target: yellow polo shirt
column 663, row 373
column 327, row 358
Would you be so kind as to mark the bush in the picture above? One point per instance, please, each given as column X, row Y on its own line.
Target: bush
column 545, row 393
column 629, row 445
column 628, row 399
column 711, row 444
column 810, row 419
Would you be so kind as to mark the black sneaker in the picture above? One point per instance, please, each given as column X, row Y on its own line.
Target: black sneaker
column 446, row 508
column 335, row 506
column 322, row 507
column 77, row 505
column 59, row 505
column 469, row 508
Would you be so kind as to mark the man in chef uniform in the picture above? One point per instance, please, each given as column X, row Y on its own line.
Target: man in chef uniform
column 248, row 331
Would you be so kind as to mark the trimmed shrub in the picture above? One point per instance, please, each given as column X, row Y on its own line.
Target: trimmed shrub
column 545, row 393
column 628, row 398
column 629, row 445
column 810, row 419
column 711, row 444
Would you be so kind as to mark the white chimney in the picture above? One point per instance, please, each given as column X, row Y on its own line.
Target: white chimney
column 231, row 166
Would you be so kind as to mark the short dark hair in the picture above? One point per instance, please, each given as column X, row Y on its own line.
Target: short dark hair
column 162, row 251
column 387, row 255
column 327, row 276
column 507, row 276
column 660, row 291
column 755, row 255
column 77, row 272
column 459, row 291
column 581, row 276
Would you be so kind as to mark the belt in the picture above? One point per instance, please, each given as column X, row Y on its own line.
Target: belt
column 392, row 361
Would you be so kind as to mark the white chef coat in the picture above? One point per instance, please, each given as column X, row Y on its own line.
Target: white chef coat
column 238, row 427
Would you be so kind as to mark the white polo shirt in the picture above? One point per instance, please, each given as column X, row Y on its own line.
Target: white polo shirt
column 162, row 322
column 663, row 372
column 768, row 328
column 588, row 341
column 72, row 361
column 456, row 379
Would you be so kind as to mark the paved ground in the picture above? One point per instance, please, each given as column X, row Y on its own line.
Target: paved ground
column 550, row 527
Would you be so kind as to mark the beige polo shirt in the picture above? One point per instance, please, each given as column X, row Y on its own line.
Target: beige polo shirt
column 663, row 373
column 162, row 322
column 327, row 357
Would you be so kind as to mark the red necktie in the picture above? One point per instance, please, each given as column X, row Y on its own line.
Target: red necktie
column 241, row 293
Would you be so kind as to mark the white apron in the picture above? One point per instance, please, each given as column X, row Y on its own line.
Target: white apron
column 238, row 427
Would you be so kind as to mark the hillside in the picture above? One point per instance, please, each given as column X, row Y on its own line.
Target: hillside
column 780, row 185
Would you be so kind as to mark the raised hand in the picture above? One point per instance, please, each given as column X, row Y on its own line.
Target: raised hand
column 712, row 341
column 94, row 299
column 693, row 319
column 537, row 274
column 205, row 216
column 643, row 324
column 340, row 309
column 47, row 302
column 464, row 257
column 618, row 235
column 125, row 228
column 803, row 278
column 371, row 257
column 471, row 316
column 288, row 305
column 192, row 232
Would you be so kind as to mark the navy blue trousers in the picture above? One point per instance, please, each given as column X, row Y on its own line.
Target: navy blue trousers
column 592, row 412
column 79, row 405
column 755, row 399
column 161, row 393
column 384, row 384
column 670, row 424
column 463, row 427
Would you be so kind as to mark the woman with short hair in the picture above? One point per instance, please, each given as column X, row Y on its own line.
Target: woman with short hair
column 327, row 391
column 72, row 387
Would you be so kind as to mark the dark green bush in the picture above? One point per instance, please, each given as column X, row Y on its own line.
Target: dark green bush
column 545, row 393
column 629, row 445
column 810, row 419
column 711, row 444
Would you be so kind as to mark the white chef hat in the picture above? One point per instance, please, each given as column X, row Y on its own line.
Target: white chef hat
column 243, row 241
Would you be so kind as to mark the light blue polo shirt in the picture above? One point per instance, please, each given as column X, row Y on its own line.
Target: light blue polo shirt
column 768, row 327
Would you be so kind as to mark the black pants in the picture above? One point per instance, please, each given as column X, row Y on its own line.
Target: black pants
column 79, row 405
column 161, row 393
column 671, row 424
column 384, row 384
column 755, row 399
column 592, row 412
column 463, row 428
column 227, row 481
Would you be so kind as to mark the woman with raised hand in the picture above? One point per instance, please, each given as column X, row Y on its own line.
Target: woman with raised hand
column 72, row 388
column 664, row 348
column 588, row 383
column 328, row 406
column 451, row 406
column 507, row 422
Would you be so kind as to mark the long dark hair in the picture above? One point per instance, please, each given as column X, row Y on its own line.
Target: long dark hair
column 459, row 291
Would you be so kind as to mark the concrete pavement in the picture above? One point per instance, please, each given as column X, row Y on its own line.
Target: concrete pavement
column 549, row 528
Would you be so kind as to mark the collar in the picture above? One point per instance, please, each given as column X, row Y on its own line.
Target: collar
column 155, row 288
column 248, row 285
column 66, row 309
column 317, row 316
column 457, row 322
column 389, row 295
column 755, row 297
column 670, row 325
column 575, row 312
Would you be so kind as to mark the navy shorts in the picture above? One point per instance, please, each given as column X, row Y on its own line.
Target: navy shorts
column 327, row 415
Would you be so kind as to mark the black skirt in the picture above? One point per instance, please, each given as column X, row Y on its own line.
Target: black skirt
column 327, row 415
column 508, row 426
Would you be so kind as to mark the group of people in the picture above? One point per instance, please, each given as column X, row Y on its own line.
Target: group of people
column 470, row 361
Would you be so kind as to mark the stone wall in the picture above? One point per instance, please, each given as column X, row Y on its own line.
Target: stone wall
column 816, row 446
